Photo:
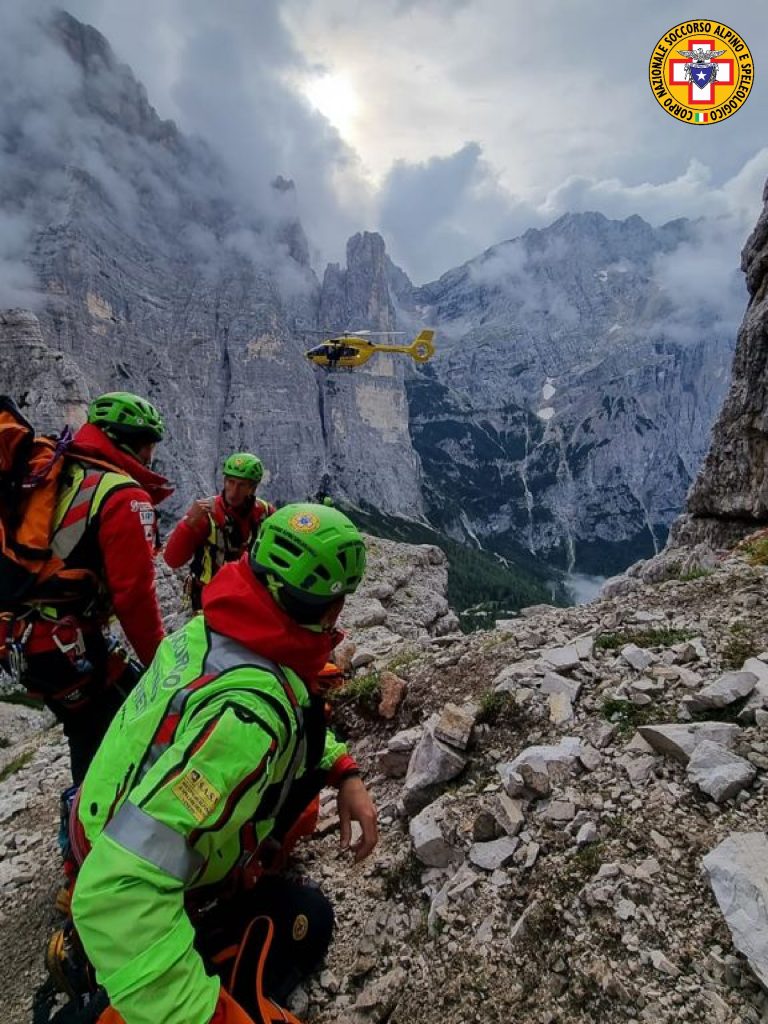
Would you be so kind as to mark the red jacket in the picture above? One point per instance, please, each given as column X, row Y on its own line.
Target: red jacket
column 188, row 537
column 126, row 540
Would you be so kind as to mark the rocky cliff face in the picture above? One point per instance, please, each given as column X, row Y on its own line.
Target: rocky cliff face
column 152, row 278
column 730, row 496
column 570, row 403
column 49, row 388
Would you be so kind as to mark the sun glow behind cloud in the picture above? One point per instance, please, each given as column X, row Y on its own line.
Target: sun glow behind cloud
column 334, row 95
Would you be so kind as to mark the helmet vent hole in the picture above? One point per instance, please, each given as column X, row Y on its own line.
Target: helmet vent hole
column 292, row 549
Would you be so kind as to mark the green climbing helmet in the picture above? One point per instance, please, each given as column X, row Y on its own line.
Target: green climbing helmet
column 123, row 415
column 316, row 552
column 244, row 466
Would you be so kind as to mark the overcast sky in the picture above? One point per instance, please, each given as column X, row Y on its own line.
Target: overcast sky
column 448, row 125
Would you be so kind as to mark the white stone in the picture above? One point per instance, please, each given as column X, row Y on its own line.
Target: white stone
column 534, row 770
column 661, row 963
column 718, row 772
column 552, row 682
column 559, row 811
column 586, row 834
column 729, row 687
column 680, row 740
column 562, row 657
column 493, row 855
column 738, row 874
column 560, row 709
column 429, row 843
column 638, row 657
column 625, row 910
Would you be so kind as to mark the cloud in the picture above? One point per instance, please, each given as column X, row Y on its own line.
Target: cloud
column 230, row 73
column 437, row 214
column 478, row 118
column 442, row 212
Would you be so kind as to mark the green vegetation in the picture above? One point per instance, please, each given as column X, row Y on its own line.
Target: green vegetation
column 588, row 859
column 626, row 715
column 403, row 660
column 494, row 707
column 695, row 574
column 362, row 690
column 642, row 638
column 738, row 647
column 481, row 585
column 12, row 767
column 23, row 699
column 756, row 550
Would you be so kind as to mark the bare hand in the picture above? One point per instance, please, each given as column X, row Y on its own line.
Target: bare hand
column 355, row 804
column 200, row 509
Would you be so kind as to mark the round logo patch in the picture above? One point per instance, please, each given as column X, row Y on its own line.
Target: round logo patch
column 300, row 927
column 701, row 72
column 304, row 522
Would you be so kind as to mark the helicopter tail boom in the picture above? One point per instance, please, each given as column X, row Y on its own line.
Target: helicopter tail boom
column 421, row 348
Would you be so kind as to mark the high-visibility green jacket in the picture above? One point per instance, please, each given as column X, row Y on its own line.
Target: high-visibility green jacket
column 199, row 759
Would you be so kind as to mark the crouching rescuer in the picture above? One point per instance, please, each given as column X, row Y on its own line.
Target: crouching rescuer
column 217, row 749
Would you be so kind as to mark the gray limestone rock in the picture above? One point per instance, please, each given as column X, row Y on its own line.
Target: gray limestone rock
column 432, row 763
column 552, row 683
column 532, row 772
column 730, row 687
column 394, row 759
column 638, row 657
column 718, row 772
column 455, row 725
column 429, row 843
column 494, row 854
column 738, row 874
column 680, row 741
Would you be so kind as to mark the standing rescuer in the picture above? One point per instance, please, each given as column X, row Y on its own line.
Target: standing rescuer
column 104, row 533
column 193, row 776
column 218, row 530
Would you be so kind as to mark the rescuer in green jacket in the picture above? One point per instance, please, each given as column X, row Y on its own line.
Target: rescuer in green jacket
column 199, row 767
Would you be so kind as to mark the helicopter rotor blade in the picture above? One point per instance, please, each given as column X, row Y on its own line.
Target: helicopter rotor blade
column 374, row 333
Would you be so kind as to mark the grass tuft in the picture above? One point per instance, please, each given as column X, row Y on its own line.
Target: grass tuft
column 642, row 638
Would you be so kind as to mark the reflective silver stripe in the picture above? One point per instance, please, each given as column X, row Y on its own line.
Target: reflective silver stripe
column 66, row 540
column 140, row 833
column 226, row 653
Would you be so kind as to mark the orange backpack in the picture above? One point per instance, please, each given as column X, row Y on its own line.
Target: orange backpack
column 30, row 468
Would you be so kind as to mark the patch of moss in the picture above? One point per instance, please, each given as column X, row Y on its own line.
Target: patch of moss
column 695, row 574
column 16, row 765
column 738, row 646
column 642, row 638
column 362, row 690
column 626, row 715
column 23, row 699
column 403, row 660
column 494, row 706
column 756, row 551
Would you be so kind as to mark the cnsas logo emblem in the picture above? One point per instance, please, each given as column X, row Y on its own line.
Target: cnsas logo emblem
column 701, row 72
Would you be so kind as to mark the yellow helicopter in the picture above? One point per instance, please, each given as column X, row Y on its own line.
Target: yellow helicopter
column 354, row 349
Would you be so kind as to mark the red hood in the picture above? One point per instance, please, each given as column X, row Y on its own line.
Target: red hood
column 92, row 443
column 237, row 605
